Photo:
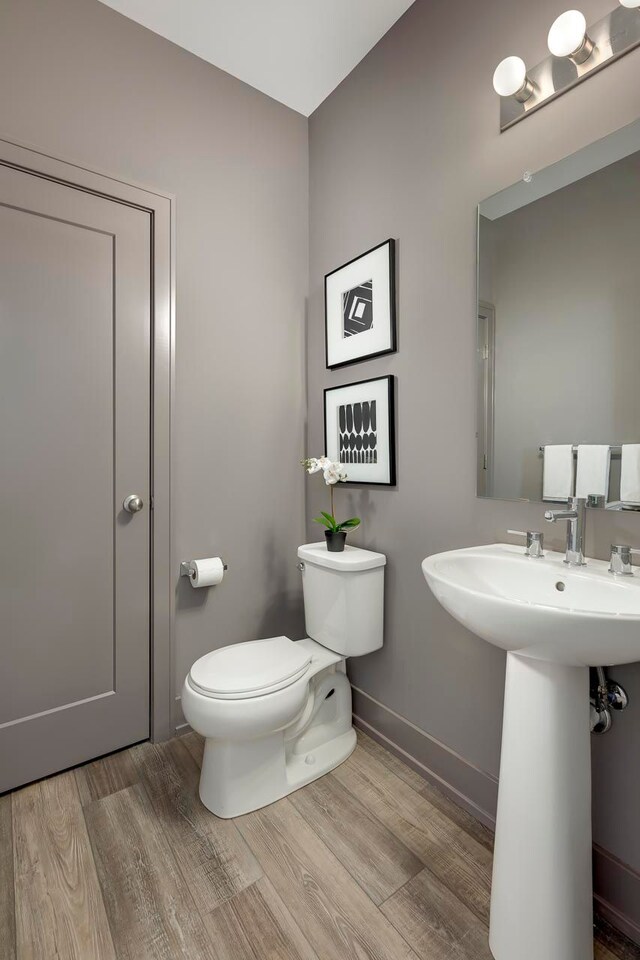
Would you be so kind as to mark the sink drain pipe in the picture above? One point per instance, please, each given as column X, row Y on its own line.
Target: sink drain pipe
column 606, row 695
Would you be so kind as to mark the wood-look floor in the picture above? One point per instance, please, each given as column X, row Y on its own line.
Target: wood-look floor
column 119, row 860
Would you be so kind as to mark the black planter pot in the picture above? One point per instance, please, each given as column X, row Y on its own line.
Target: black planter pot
column 335, row 540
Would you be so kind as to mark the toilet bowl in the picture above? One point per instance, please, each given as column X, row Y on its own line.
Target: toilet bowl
column 276, row 713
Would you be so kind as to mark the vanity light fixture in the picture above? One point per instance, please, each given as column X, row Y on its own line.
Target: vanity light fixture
column 576, row 51
column 568, row 37
column 510, row 79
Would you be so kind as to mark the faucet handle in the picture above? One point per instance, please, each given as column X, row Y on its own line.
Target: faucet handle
column 535, row 542
column 620, row 561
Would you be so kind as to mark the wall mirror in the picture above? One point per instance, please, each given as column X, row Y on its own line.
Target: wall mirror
column 558, row 355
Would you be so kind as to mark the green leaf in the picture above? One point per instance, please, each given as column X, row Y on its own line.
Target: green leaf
column 324, row 522
column 350, row 524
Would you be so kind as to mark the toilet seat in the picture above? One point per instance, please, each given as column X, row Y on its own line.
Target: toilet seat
column 256, row 668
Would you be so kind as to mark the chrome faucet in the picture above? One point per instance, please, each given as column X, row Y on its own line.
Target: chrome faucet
column 575, row 514
column 535, row 542
column 620, row 563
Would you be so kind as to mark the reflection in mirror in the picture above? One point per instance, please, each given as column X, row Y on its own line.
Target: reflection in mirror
column 559, row 329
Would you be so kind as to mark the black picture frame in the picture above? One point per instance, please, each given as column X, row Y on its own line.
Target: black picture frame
column 384, row 393
column 388, row 330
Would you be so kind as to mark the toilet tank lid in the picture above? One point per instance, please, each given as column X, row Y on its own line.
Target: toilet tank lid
column 353, row 558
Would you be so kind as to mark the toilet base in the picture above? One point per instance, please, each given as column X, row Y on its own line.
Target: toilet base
column 269, row 780
column 240, row 776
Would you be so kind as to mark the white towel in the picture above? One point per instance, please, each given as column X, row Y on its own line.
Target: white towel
column 594, row 461
column 630, row 473
column 557, row 478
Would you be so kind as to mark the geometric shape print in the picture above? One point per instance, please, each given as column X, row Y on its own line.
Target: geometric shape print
column 357, row 309
column 358, row 433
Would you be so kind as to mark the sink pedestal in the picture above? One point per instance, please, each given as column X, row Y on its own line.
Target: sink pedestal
column 553, row 620
column 541, row 898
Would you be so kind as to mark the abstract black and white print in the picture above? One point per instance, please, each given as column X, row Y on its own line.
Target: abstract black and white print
column 360, row 307
column 357, row 309
column 358, row 432
column 359, row 429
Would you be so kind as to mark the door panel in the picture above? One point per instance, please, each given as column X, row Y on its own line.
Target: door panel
column 74, row 441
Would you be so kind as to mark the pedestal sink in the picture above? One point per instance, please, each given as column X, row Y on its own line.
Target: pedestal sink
column 554, row 621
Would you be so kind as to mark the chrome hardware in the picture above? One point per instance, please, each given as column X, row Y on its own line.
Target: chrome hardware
column 186, row 571
column 595, row 501
column 620, row 562
column 606, row 695
column 133, row 503
column 535, row 542
column 600, row 719
column 615, row 449
column 576, row 516
column 300, row 566
column 617, row 696
column 584, row 51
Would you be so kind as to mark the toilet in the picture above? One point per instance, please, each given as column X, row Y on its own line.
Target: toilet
column 276, row 713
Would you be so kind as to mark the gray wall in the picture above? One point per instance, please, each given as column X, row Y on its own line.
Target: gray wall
column 566, row 291
column 85, row 84
column 406, row 147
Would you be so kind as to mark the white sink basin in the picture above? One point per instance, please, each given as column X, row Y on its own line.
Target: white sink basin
column 554, row 621
column 540, row 608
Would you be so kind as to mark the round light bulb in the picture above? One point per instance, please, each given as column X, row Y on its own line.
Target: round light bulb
column 630, row 4
column 510, row 76
column 567, row 33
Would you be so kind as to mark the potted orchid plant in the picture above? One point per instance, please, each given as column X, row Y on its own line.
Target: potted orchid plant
column 333, row 473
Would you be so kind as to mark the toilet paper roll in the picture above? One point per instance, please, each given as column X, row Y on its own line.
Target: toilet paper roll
column 207, row 572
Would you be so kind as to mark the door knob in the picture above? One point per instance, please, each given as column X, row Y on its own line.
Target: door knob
column 133, row 503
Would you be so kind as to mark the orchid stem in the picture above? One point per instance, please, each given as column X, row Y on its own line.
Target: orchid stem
column 331, row 494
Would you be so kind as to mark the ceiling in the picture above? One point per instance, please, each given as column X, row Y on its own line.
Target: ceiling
column 296, row 51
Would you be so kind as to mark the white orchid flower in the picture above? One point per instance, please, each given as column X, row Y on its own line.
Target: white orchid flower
column 334, row 473
column 332, row 470
column 330, row 477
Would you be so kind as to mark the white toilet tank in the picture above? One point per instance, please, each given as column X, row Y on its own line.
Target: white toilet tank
column 343, row 598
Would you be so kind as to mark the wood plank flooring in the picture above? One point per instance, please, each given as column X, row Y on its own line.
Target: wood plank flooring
column 7, row 894
column 60, row 911
column 119, row 860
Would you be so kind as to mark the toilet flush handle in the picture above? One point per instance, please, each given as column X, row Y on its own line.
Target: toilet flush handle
column 300, row 566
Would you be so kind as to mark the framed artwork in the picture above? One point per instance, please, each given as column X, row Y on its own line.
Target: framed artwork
column 359, row 429
column 360, row 307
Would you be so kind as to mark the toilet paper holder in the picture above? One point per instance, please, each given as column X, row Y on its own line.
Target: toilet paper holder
column 185, row 567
